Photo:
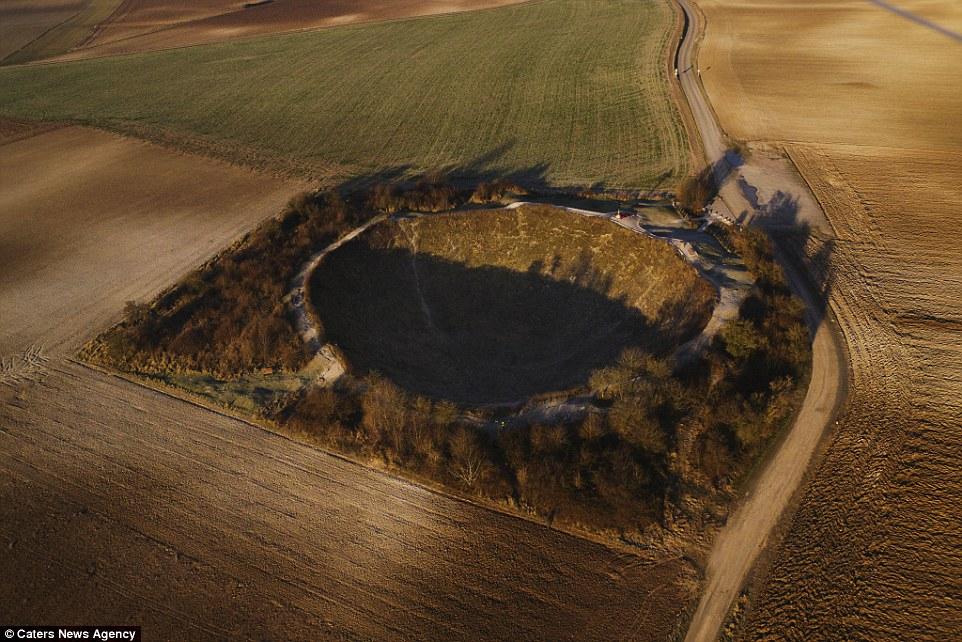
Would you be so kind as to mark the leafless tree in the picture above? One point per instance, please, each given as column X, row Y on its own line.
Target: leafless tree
column 468, row 461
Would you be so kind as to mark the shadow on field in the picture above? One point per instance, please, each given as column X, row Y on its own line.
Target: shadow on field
column 697, row 191
column 483, row 168
column 476, row 334
column 806, row 249
column 797, row 243
column 724, row 167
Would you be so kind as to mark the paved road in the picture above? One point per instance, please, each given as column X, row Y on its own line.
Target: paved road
column 747, row 532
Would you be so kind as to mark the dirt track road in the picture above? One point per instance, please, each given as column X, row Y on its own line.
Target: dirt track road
column 712, row 139
column 873, row 550
column 738, row 545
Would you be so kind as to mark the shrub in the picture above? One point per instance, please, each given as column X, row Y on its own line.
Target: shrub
column 470, row 462
column 593, row 427
column 610, row 469
column 716, row 458
column 427, row 195
column 496, row 190
column 385, row 411
column 696, row 192
column 229, row 317
column 631, row 419
column 741, row 338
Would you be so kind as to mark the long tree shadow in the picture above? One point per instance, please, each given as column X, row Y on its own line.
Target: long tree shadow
column 699, row 190
column 483, row 168
column 808, row 253
column 725, row 166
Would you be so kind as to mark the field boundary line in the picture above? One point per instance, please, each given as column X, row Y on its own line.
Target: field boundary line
column 184, row 396
column 808, row 184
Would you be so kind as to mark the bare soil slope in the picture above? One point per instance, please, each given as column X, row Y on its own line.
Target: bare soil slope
column 147, row 25
column 873, row 551
column 22, row 21
column 89, row 220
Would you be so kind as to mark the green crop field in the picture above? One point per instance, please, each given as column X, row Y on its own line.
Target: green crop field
column 566, row 91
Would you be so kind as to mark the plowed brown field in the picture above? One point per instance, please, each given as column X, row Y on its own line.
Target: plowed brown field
column 827, row 71
column 148, row 25
column 120, row 504
column 22, row 21
column 874, row 549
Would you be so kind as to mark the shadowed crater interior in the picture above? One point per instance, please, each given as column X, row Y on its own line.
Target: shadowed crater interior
column 494, row 307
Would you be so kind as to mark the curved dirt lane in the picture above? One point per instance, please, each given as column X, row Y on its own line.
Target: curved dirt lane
column 738, row 545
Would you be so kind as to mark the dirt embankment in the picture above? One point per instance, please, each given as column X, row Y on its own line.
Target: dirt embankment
column 873, row 550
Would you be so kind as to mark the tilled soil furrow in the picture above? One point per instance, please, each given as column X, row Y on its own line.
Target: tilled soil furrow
column 875, row 548
column 372, row 565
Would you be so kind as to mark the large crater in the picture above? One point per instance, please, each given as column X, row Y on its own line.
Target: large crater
column 496, row 306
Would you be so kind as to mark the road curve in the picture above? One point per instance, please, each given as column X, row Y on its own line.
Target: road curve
column 738, row 545
column 713, row 140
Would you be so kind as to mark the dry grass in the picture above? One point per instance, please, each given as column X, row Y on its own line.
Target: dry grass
column 867, row 105
column 644, row 273
column 534, row 90
column 148, row 25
